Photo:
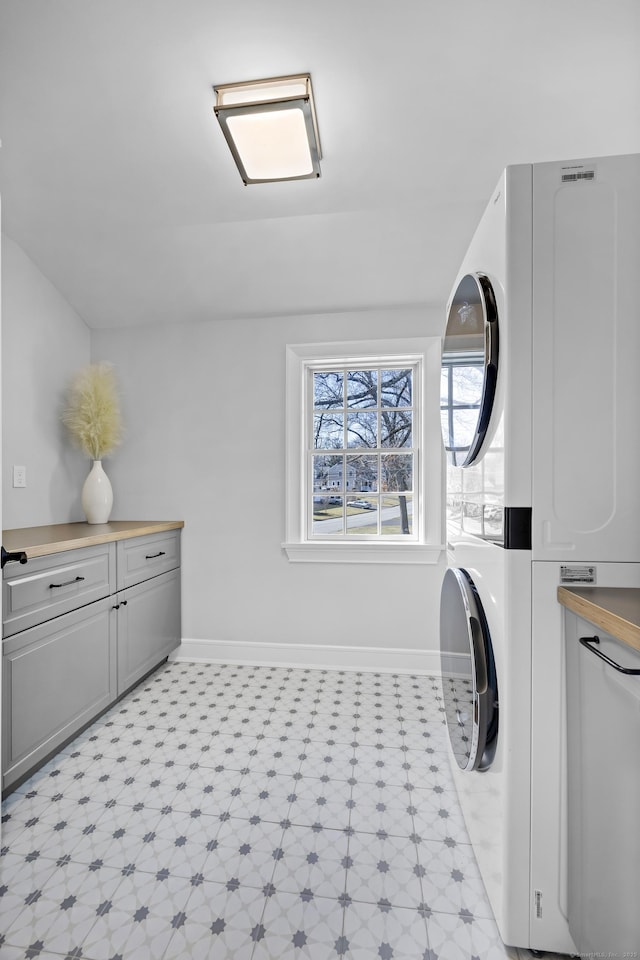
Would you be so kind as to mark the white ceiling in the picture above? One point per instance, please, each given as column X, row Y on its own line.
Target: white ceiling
column 117, row 182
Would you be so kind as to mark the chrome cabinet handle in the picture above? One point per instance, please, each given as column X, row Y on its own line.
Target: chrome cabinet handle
column 152, row 556
column 587, row 641
column 66, row 583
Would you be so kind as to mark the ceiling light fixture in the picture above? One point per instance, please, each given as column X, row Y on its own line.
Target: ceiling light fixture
column 271, row 128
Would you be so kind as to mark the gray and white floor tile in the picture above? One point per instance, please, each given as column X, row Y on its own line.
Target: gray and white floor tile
column 223, row 812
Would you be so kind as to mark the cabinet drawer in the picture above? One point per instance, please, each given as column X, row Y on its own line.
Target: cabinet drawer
column 144, row 557
column 47, row 587
column 56, row 678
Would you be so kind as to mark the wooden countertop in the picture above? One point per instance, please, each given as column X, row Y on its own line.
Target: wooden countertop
column 614, row 609
column 42, row 541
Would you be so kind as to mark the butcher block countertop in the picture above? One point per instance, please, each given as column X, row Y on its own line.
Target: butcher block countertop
column 56, row 537
column 614, row 609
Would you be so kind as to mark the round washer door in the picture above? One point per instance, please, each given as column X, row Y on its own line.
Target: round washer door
column 469, row 681
column 469, row 369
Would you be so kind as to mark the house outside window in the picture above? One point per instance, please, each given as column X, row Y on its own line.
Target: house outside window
column 361, row 430
column 364, row 456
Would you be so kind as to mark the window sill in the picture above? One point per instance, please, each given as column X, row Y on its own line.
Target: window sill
column 320, row 552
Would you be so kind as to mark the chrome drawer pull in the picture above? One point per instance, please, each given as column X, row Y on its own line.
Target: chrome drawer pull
column 152, row 556
column 587, row 641
column 66, row 583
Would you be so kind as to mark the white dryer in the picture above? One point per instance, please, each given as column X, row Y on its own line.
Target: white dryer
column 539, row 394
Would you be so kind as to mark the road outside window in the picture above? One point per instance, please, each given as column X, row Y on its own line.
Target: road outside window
column 362, row 452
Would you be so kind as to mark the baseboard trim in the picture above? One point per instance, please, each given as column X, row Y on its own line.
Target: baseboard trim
column 456, row 665
column 317, row 656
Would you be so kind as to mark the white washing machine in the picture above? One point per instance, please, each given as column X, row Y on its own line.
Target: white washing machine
column 539, row 400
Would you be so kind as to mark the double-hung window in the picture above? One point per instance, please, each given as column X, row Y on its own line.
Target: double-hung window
column 475, row 497
column 364, row 456
column 461, row 381
column 362, row 453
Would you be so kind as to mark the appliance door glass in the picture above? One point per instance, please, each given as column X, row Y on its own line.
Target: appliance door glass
column 469, row 369
column 469, row 681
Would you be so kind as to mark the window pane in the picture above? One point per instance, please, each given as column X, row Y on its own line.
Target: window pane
column 395, row 427
column 396, row 515
column 361, row 445
column 472, row 517
column 362, row 388
column 493, row 521
column 365, row 472
column 444, row 423
column 461, row 431
column 328, row 513
column 395, row 388
column 327, row 473
column 396, row 472
column 362, row 516
column 328, row 431
column 467, row 385
column 444, row 385
column 493, row 473
column 362, row 429
column 328, row 390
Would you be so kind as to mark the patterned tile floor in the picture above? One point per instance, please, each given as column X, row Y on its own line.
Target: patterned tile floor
column 248, row 813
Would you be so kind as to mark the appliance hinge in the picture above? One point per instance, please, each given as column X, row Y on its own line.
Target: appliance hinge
column 537, row 896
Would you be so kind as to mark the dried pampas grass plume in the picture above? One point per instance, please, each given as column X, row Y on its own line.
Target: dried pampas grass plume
column 93, row 413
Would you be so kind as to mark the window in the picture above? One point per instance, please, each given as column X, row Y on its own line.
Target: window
column 363, row 452
column 461, row 380
column 474, row 496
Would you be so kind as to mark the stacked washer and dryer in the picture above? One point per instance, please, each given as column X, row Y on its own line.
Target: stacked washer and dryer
column 540, row 396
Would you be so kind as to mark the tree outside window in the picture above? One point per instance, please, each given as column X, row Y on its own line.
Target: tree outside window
column 362, row 428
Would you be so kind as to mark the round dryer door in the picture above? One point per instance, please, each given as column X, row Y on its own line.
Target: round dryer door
column 469, row 680
column 469, row 369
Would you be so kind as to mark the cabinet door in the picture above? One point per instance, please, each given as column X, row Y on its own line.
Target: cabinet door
column 57, row 677
column 149, row 626
column 603, row 727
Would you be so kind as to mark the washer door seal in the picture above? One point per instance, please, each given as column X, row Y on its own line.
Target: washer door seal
column 469, row 681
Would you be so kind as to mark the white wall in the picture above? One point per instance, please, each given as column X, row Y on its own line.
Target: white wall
column 204, row 415
column 44, row 342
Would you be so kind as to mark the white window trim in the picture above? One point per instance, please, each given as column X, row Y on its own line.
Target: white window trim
column 428, row 547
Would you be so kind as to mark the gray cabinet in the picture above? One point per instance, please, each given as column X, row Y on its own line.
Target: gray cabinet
column 56, row 678
column 603, row 734
column 50, row 586
column 148, row 624
column 143, row 557
column 148, row 610
column 80, row 628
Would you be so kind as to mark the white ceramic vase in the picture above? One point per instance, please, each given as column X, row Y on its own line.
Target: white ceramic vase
column 97, row 495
